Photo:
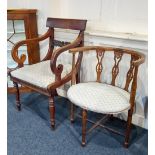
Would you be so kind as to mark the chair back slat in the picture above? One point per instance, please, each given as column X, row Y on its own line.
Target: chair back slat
column 130, row 73
column 74, row 24
column 115, row 70
column 99, row 67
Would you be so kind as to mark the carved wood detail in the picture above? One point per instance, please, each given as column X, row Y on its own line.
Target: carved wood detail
column 20, row 59
column 130, row 73
column 60, row 43
column 99, row 67
column 115, row 70
column 29, row 17
column 52, row 111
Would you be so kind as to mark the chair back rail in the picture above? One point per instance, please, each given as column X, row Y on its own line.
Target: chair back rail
column 74, row 24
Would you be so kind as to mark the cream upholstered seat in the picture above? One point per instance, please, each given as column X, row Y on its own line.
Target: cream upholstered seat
column 39, row 74
column 99, row 97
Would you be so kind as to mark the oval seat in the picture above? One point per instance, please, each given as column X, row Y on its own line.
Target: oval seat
column 99, row 97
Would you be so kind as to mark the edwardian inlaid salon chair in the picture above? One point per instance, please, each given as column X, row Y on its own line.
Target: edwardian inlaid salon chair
column 48, row 75
column 106, row 97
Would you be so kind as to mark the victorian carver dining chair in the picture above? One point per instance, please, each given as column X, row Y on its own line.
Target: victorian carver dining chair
column 106, row 97
column 47, row 75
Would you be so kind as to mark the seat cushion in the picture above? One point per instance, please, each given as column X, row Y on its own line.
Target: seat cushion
column 39, row 74
column 99, row 97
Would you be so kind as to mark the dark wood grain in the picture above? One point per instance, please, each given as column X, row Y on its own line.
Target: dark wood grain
column 73, row 24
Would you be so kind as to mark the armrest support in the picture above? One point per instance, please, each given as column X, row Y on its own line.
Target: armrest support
column 20, row 60
column 68, row 77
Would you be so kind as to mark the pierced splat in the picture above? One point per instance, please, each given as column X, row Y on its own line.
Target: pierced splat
column 130, row 73
column 60, row 43
column 99, row 67
column 115, row 69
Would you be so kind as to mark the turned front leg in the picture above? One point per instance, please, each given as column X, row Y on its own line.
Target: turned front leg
column 84, row 123
column 128, row 130
column 72, row 113
column 52, row 111
column 18, row 104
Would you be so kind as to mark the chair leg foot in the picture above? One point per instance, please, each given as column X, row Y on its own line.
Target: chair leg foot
column 18, row 104
column 126, row 145
column 53, row 126
column 111, row 117
column 83, row 144
column 52, row 112
column 72, row 113
column 72, row 121
column 18, row 107
column 128, row 130
column 84, row 123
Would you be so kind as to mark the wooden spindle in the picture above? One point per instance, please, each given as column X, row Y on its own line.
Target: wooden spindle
column 73, row 81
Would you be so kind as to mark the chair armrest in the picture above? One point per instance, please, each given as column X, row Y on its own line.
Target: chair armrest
column 65, row 79
column 87, row 48
column 9, row 70
column 140, row 60
column 20, row 60
column 57, row 69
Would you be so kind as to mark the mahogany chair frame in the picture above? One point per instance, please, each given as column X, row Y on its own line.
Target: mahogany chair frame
column 137, row 58
column 52, row 23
